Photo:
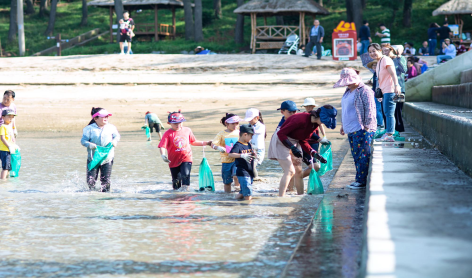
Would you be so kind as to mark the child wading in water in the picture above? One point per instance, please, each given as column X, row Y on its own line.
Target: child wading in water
column 152, row 121
column 100, row 133
column 244, row 155
column 175, row 149
column 224, row 142
column 7, row 145
column 254, row 117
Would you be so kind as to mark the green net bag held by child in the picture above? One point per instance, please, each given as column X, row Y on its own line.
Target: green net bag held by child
column 15, row 164
column 148, row 131
column 327, row 154
column 314, row 182
column 100, row 155
column 205, row 175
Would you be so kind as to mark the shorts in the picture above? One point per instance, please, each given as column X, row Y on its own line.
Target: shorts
column 155, row 126
column 228, row 171
column 6, row 160
column 246, row 186
column 125, row 37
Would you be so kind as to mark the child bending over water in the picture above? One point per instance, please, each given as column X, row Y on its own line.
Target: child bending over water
column 175, row 149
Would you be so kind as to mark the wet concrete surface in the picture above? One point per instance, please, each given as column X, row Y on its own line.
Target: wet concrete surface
column 332, row 246
column 420, row 214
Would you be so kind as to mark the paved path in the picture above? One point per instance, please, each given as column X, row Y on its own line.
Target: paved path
column 420, row 213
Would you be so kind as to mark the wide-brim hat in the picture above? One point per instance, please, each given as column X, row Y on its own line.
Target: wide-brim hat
column 348, row 77
column 369, row 65
column 309, row 101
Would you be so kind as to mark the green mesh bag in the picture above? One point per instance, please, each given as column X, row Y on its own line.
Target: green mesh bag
column 148, row 131
column 15, row 164
column 205, row 176
column 314, row 183
column 326, row 153
column 100, row 155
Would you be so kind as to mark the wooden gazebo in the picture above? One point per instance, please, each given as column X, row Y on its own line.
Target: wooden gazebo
column 456, row 8
column 155, row 28
column 273, row 36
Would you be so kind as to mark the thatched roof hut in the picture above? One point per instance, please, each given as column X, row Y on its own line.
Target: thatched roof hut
column 155, row 28
column 265, row 37
column 454, row 7
column 281, row 7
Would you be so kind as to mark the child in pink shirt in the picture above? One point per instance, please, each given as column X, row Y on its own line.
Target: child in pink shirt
column 176, row 151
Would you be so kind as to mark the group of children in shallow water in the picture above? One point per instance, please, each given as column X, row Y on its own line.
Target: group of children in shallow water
column 242, row 147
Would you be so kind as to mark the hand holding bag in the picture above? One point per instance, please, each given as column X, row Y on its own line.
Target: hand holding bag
column 378, row 91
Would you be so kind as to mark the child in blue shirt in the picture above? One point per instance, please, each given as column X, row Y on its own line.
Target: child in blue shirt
column 244, row 156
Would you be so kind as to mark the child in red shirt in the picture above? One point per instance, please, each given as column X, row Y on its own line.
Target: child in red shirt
column 175, row 149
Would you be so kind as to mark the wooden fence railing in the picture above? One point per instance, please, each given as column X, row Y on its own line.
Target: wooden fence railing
column 149, row 29
column 276, row 32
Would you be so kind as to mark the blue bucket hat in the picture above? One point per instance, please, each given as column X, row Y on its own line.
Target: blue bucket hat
column 328, row 117
column 288, row 105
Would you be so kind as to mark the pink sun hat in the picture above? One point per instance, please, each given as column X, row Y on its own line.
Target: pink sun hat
column 348, row 77
column 102, row 114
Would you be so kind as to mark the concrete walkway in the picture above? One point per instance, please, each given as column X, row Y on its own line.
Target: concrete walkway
column 420, row 213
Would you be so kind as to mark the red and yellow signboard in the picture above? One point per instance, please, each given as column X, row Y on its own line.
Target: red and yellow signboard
column 345, row 42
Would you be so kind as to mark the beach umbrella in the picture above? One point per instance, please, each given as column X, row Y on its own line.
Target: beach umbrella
column 365, row 58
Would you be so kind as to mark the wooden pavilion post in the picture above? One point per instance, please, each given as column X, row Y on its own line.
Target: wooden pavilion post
column 156, row 31
column 253, row 32
column 173, row 22
column 303, row 27
column 111, row 24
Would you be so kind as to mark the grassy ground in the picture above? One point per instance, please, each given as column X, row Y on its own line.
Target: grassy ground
column 218, row 34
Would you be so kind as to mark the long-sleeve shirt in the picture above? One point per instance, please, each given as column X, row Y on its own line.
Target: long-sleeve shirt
column 298, row 127
column 412, row 72
column 364, row 33
column 365, row 106
column 433, row 33
column 100, row 137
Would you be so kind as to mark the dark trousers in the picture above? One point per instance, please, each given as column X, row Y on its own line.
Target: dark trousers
column 309, row 47
column 105, row 176
column 181, row 174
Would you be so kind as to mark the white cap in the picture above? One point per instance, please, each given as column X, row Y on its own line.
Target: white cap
column 309, row 101
column 251, row 113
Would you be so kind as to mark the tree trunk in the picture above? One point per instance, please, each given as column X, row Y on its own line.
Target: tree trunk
column 29, row 7
column 239, row 31
column 189, row 30
column 119, row 15
column 407, row 7
column 217, row 8
column 13, row 21
column 279, row 20
column 42, row 8
column 84, row 13
column 52, row 19
column 198, row 21
column 364, row 4
column 349, row 11
column 357, row 13
column 321, row 3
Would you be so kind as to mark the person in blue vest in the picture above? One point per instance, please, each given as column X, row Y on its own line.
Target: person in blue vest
column 316, row 36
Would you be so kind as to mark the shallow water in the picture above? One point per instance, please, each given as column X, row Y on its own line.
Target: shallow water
column 51, row 225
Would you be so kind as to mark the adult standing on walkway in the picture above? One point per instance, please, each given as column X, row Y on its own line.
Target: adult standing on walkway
column 364, row 37
column 375, row 83
column 444, row 33
column 384, row 35
column 292, row 137
column 316, row 36
column 388, row 84
column 126, row 32
column 432, row 38
column 359, row 122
